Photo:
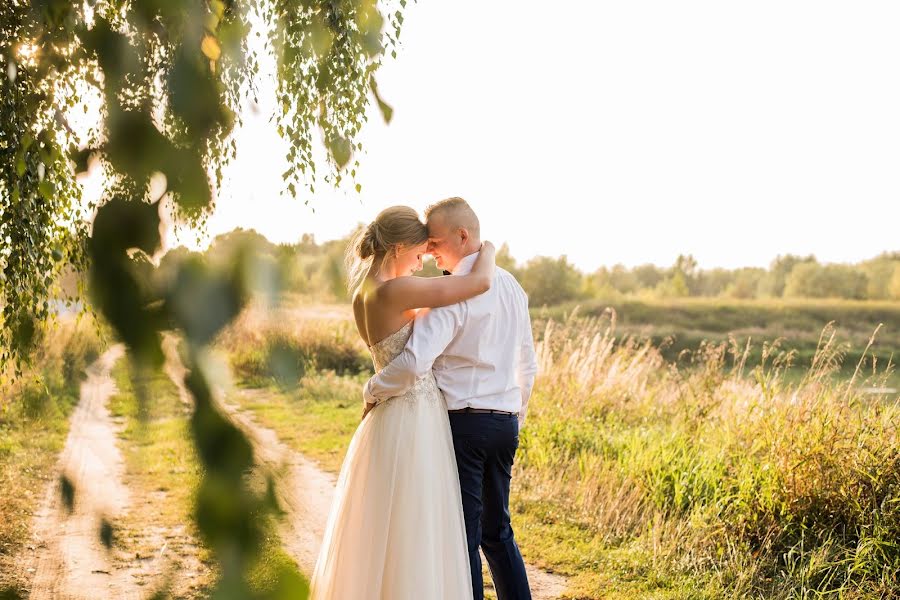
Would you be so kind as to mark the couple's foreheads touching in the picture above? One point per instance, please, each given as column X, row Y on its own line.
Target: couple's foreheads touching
column 450, row 232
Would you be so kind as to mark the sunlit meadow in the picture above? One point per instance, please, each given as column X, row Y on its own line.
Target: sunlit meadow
column 637, row 478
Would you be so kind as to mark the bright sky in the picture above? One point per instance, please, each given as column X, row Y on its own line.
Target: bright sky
column 623, row 132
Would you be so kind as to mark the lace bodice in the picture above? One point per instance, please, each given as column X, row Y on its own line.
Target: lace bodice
column 389, row 348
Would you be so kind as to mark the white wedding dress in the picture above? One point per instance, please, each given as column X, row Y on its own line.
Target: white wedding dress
column 396, row 529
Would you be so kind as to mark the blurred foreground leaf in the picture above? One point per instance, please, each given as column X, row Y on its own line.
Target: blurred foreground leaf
column 67, row 492
column 106, row 533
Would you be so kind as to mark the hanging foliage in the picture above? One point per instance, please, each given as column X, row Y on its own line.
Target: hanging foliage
column 167, row 79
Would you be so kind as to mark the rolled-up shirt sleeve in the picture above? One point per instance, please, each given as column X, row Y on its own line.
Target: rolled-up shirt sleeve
column 433, row 330
column 527, row 366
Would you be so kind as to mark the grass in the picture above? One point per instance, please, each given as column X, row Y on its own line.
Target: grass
column 713, row 481
column 161, row 473
column 34, row 412
column 316, row 419
column 723, row 477
column 274, row 574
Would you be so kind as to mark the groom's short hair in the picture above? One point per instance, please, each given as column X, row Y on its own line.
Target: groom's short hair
column 458, row 214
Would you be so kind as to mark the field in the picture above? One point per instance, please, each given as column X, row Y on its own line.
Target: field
column 729, row 476
column 723, row 472
column 676, row 326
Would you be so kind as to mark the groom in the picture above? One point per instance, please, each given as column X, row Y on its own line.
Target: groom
column 482, row 354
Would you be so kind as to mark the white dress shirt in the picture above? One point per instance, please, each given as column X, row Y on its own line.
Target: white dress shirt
column 481, row 350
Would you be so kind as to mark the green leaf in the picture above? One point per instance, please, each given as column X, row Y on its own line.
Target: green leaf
column 195, row 95
column 67, row 492
column 81, row 158
column 122, row 224
column 386, row 111
column 46, row 189
column 106, row 533
column 340, row 149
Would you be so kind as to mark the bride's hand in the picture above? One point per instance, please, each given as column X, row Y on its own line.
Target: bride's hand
column 367, row 409
column 489, row 252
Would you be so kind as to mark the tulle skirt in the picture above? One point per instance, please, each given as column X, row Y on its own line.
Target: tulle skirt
column 396, row 528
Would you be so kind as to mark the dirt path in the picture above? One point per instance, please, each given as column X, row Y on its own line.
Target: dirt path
column 66, row 556
column 305, row 490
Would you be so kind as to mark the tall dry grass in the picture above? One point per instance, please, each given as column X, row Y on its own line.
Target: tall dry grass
column 281, row 345
column 736, row 477
column 61, row 353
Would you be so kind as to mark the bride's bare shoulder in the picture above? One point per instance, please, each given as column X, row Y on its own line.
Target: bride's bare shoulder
column 358, row 301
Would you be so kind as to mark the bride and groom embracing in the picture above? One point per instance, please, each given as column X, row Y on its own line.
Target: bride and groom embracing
column 426, row 478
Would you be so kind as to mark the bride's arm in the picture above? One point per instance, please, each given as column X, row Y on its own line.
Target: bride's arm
column 431, row 292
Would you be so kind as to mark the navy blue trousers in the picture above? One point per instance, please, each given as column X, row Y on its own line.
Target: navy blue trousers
column 485, row 446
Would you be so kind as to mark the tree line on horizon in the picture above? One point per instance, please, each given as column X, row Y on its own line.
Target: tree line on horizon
column 316, row 270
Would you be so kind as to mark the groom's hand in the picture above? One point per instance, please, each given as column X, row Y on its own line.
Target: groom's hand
column 367, row 409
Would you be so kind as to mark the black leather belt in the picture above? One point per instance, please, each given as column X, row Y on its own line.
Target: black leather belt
column 481, row 411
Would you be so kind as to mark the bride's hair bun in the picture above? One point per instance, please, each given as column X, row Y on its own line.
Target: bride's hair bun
column 368, row 242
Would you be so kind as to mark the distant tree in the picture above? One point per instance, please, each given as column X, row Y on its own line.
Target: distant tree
column 812, row 280
column 681, row 279
column 894, row 287
column 336, row 277
column 745, row 283
column 646, row 276
column 879, row 271
column 599, row 285
column 713, row 282
column 549, row 281
column 773, row 283
column 686, row 264
column 430, row 269
column 505, row 259
column 673, row 286
column 307, row 244
column 289, row 267
column 331, row 276
column 223, row 246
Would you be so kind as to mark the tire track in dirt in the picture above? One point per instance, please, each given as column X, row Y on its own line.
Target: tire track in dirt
column 66, row 557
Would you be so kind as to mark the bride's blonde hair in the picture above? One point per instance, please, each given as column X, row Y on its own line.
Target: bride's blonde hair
column 394, row 226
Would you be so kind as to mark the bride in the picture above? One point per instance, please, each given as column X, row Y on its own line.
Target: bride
column 396, row 529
